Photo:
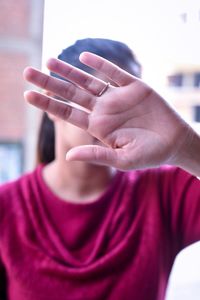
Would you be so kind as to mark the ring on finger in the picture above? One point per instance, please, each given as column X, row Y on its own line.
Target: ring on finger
column 104, row 89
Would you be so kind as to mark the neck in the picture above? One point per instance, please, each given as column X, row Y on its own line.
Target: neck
column 77, row 181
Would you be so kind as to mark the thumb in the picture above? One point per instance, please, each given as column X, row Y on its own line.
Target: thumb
column 93, row 154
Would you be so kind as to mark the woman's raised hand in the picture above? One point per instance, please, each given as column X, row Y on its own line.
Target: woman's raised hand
column 137, row 127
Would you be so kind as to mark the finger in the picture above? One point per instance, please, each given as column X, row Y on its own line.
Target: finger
column 77, row 76
column 59, row 87
column 116, row 74
column 93, row 154
column 59, row 109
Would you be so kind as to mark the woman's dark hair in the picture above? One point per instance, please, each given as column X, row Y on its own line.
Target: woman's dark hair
column 46, row 140
column 117, row 52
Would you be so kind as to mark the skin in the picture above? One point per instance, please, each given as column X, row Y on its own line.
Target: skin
column 136, row 126
column 74, row 181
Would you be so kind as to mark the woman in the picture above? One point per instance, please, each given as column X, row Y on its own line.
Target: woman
column 76, row 228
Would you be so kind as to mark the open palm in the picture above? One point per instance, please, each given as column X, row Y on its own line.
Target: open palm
column 137, row 127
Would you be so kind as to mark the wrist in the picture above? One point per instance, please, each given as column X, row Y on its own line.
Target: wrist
column 188, row 156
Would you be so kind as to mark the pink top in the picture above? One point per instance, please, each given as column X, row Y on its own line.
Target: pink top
column 120, row 247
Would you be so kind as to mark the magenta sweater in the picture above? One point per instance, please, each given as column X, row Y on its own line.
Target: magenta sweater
column 120, row 247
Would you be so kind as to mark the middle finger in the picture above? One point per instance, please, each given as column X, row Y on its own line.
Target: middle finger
column 83, row 79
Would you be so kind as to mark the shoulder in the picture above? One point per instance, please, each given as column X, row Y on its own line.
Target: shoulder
column 164, row 173
column 13, row 193
column 162, row 180
column 13, row 187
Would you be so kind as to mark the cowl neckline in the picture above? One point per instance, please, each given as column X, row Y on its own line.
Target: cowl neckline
column 105, row 209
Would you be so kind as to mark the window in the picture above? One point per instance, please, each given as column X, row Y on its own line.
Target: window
column 175, row 80
column 10, row 161
column 196, row 113
column 197, row 80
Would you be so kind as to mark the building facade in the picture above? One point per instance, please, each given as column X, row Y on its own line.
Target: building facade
column 21, row 26
column 183, row 91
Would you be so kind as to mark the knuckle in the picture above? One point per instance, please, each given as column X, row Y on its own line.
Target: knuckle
column 45, row 82
column 68, row 91
column 87, row 82
column 96, row 153
column 66, row 112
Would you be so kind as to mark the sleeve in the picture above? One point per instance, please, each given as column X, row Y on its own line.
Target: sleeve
column 182, row 198
column 2, row 281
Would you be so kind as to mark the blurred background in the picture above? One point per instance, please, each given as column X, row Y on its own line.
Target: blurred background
column 164, row 35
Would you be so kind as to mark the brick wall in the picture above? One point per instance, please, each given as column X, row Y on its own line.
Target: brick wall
column 21, row 26
column 12, row 108
column 14, row 17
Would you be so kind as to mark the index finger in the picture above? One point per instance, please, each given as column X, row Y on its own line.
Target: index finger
column 112, row 71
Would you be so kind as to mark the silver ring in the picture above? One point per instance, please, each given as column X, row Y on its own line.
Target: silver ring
column 104, row 89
